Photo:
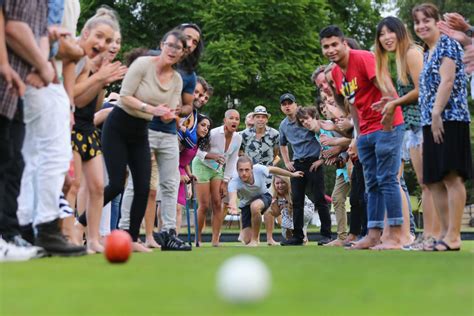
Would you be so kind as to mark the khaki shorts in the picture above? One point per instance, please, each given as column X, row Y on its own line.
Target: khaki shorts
column 154, row 178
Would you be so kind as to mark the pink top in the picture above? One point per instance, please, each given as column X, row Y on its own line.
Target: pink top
column 185, row 158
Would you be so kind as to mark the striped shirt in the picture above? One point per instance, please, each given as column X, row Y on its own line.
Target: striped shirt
column 34, row 13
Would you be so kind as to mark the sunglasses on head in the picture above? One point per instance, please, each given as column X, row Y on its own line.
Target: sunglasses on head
column 191, row 25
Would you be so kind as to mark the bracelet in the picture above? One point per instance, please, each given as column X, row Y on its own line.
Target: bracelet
column 143, row 107
column 73, row 108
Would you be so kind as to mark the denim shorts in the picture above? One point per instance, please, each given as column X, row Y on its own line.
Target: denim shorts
column 411, row 139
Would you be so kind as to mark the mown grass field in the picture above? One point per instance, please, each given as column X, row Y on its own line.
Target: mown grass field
column 307, row 280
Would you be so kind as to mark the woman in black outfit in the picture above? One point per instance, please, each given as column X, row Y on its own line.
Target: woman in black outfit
column 150, row 89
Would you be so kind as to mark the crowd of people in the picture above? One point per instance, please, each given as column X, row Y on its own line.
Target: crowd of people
column 77, row 160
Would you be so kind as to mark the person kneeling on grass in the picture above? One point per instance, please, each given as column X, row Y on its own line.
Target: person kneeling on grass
column 249, row 184
column 282, row 204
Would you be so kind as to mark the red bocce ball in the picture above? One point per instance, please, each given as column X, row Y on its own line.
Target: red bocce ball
column 118, row 246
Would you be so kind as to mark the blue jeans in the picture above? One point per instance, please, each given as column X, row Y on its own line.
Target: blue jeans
column 380, row 155
column 115, row 212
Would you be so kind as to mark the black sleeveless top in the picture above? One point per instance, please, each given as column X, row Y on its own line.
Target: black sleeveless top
column 84, row 117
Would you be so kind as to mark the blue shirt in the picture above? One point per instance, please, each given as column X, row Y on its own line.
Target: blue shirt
column 340, row 171
column 430, row 79
column 189, row 81
column 55, row 17
column 246, row 191
column 189, row 138
column 303, row 141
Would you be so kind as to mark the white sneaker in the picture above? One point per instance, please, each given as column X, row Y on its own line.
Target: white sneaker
column 10, row 252
column 20, row 242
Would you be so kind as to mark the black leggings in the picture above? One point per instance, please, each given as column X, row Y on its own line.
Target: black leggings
column 125, row 142
column 358, row 201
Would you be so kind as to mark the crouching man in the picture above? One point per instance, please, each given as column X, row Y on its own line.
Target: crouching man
column 249, row 184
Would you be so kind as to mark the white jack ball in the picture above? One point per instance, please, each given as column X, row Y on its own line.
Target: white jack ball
column 243, row 279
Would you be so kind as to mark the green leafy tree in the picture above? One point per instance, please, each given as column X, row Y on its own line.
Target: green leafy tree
column 358, row 18
column 257, row 50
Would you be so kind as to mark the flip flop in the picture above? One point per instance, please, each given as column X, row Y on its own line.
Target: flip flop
column 447, row 248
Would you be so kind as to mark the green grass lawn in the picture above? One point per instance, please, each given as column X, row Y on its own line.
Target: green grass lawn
column 307, row 280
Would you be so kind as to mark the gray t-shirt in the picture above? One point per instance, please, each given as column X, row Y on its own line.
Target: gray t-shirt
column 246, row 191
column 302, row 141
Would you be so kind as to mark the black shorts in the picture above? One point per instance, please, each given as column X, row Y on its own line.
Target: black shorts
column 87, row 144
column 453, row 154
column 247, row 214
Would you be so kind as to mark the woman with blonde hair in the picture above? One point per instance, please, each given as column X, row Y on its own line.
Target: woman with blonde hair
column 282, row 205
column 93, row 73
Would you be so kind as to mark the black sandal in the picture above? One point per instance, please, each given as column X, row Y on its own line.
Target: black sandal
column 444, row 244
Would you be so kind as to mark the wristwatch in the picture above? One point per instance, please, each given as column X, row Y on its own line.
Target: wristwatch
column 470, row 31
column 143, row 107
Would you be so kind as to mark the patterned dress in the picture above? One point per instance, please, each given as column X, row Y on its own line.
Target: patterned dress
column 411, row 112
column 430, row 79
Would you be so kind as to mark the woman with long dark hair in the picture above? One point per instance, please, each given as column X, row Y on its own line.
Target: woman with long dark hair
column 186, row 156
column 393, row 37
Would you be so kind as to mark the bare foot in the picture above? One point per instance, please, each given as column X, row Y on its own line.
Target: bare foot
column 335, row 243
column 252, row 243
column 365, row 243
column 272, row 243
column 350, row 238
column 305, row 240
column 387, row 245
column 77, row 234
column 91, row 252
column 151, row 243
column 67, row 228
column 215, row 242
column 408, row 239
column 138, row 247
column 94, row 246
